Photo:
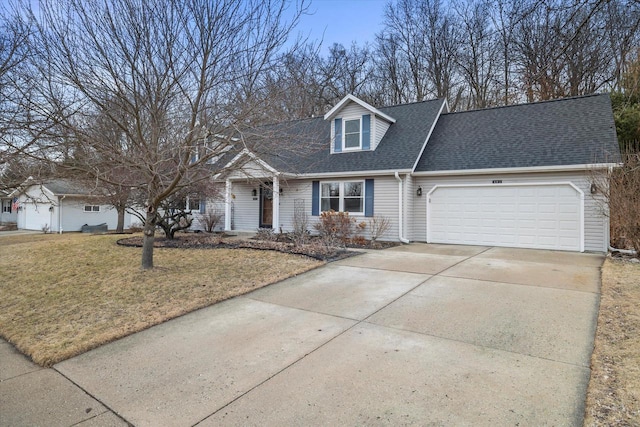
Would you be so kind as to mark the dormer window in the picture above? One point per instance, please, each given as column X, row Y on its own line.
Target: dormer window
column 352, row 139
column 352, row 133
column 356, row 125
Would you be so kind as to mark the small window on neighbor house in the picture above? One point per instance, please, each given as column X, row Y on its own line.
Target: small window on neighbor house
column 352, row 134
column 6, row 206
column 92, row 208
column 193, row 204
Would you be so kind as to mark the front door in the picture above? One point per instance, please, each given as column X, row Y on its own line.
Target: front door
column 266, row 207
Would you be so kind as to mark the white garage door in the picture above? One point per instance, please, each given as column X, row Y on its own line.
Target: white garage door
column 540, row 216
column 37, row 215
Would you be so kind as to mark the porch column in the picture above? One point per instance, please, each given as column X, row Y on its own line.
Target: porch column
column 227, row 206
column 276, row 204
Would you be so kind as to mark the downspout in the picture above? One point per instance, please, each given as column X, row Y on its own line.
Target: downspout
column 400, row 210
column 623, row 251
column 60, row 199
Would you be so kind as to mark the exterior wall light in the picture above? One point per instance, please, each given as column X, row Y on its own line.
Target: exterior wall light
column 419, row 191
column 594, row 188
column 254, row 192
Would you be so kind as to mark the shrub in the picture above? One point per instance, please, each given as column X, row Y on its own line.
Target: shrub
column 378, row 227
column 300, row 234
column 618, row 189
column 210, row 220
column 335, row 228
column 266, row 234
column 45, row 228
column 136, row 227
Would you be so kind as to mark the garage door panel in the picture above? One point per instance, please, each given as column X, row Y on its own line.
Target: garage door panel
column 533, row 216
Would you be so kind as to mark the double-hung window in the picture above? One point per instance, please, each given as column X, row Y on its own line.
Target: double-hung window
column 193, row 203
column 344, row 196
column 352, row 134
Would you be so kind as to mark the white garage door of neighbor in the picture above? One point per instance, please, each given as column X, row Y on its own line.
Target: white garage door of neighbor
column 540, row 216
column 37, row 215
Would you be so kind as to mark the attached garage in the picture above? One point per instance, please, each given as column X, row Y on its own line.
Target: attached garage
column 37, row 216
column 523, row 215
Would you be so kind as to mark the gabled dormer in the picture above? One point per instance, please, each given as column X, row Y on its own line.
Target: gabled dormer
column 356, row 125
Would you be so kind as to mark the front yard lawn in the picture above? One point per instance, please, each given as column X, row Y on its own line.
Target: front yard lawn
column 61, row 295
column 614, row 390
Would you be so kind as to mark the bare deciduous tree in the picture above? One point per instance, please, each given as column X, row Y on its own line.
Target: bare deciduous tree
column 618, row 190
column 176, row 78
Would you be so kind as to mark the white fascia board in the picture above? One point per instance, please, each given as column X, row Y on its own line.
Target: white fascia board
column 350, row 173
column 22, row 187
column 258, row 160
column 446, row 103
column 558, row 168
column 444, row 107
column 334, row 111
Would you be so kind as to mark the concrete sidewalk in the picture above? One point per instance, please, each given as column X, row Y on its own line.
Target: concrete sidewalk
column 418, row 334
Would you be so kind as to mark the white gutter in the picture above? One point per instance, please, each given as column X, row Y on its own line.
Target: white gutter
column 349, row 174
column 400, row 210
column 565, row 168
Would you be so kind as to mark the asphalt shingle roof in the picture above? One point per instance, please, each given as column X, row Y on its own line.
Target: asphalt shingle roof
column 61, row 187
column 398, row 149
column 570, row 131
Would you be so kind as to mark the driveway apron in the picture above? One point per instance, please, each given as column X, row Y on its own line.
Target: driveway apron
column 415, row 335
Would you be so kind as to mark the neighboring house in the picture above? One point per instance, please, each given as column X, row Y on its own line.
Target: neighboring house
column 9, row 208
column 62, row 205
column 515, row 176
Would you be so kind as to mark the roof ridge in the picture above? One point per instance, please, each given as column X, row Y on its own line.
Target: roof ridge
column 321, row 116
column 412, row 103
column 524, row 104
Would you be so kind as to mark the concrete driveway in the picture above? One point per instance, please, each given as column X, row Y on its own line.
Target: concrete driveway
column 419, row 334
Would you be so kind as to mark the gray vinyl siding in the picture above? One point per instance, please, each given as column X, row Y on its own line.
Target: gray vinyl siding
column 409, row 192
column 379, row 128
column 385, row 204
column 352, row 110
column 595, row 213
column 294, row 191
column 212, row 206
column 246, row 210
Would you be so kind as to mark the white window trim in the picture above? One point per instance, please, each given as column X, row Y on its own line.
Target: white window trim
column 341, row 198
column 188, row 201
column 84, row 209
column 344, row 134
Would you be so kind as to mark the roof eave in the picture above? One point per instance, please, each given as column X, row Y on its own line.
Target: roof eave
column 335, row 110
column 549, row 168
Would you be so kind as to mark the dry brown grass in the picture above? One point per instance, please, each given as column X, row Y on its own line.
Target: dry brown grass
column 613, row 397
column 61, row 295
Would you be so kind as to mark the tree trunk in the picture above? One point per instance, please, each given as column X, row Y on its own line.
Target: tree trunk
column 120, row 226
column 148, row 238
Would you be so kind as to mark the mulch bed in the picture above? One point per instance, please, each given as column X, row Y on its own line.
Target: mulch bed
column 219, row 241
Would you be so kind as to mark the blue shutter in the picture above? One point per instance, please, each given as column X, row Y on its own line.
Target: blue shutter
column 337, row 143
column 203, row 205
column 366, row 131
column 368, row 197
column 315, row 198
